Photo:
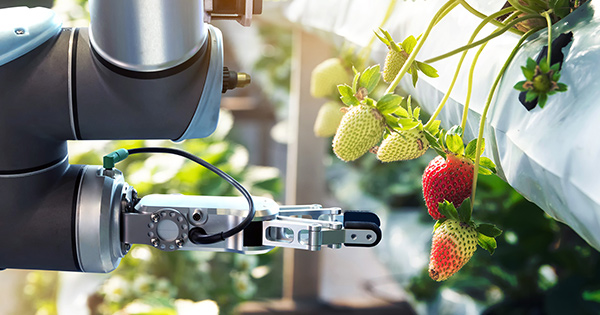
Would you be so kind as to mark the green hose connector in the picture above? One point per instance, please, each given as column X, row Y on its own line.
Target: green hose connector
column 115, row 157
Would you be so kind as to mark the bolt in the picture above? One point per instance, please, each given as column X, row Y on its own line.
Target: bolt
column 154, row 217
column 19, row 31
column 154, row 242
column 197, row 216
column 179, row 242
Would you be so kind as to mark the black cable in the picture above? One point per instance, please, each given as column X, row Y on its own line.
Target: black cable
column 197, row 235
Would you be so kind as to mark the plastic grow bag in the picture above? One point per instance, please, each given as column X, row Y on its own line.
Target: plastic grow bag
column 549, row 155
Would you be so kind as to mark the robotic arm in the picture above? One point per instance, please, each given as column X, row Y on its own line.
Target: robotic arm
column 143, row 70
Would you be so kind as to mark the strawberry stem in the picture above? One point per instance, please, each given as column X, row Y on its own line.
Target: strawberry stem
column 483, row 16
column 462, row 58
column 485, row 39
column 548, row 52
column 487, row 106
column 463, row 123
column 445, row 9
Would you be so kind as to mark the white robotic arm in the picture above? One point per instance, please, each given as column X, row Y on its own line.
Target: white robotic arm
column 145, row 69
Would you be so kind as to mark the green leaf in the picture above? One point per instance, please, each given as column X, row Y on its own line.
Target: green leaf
column 427, row 69
column 392, row 121
column 382, row 39
column 389, row 103
column 369, row 101
column 487, row 163
column 519, row 86
column 415, row 75
column 542, row 100
column 487, row 243
column 401, row 112
column 447, row 209
column 409, row 44
column 489, row 230
column 528, row 73
column 455, row 144
column 464, row 211
column 434, row 128
column 555, row 67
column 433, row 143
column 544, row 65
column 455, row 130
column 370, row 78
column 562, row 87
column 471, row 148
column 355, row 80
column 531, row 64
column 417, row 112
column 484, row 171
column 530, row 96
column 556, row 76
column 347, row 95
column 407, row 123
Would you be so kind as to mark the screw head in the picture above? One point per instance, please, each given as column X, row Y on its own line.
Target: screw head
column 154, row 241
column 197, row 216
column 154, row 217
column 179, row 242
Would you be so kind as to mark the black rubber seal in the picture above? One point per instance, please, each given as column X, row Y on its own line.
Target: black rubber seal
column 156, row 74
column 74, row 84
column 74, row 218
column 361, row 216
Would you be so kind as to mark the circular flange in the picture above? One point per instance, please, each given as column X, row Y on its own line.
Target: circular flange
column 167, row 229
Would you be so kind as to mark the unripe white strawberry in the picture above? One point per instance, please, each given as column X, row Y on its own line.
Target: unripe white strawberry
column 403, row 145
column 394, row 60
column 326, row 76
column 361, row 128
column 328, row 119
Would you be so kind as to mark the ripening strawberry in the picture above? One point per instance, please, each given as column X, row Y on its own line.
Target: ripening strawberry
column 394, row 60
column 328, row 119
column 403, row 145
column 447, row 179
column 326, row 76
column 452, row 247
column 361, row 129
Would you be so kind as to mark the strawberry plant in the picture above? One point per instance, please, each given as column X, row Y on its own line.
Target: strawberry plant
column 387, row 125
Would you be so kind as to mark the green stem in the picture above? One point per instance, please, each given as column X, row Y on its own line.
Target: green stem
column 364, row 54
column 518, row 6
column 408, row 63
column 549, row 52
column 483, row 16
column 464, row 54
column 463, row 123
column 487, row 106
column 483, row 40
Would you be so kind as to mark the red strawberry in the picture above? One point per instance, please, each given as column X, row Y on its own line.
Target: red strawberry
column 447, row 179
column 453, row 245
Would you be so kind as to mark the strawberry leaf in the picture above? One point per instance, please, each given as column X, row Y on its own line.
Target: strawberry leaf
column 471, row 149
column 417, row 112
column 530, row 96
column 382, row 39
column 487, row 243
column 561, row 87
column 415, row 75
column 355, row 80
column 389, row 103
column 528, row 73
column 434, row 128
column 542, row 100
column 454, row 143
column 427, row 69
column 370, row 78
column 455, row 130
column 448, row 210
column 489, row 230
column 409, row 44
column 519, row 86
column 433, row 143
column 400, row 111
column 531, row 63
column 464, row 211
column 347, row 95
column 407, row 123
column 487, row 163
column 392, row 121
column 544, row 65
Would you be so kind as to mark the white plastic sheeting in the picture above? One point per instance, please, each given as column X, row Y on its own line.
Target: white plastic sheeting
column 549, row 155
